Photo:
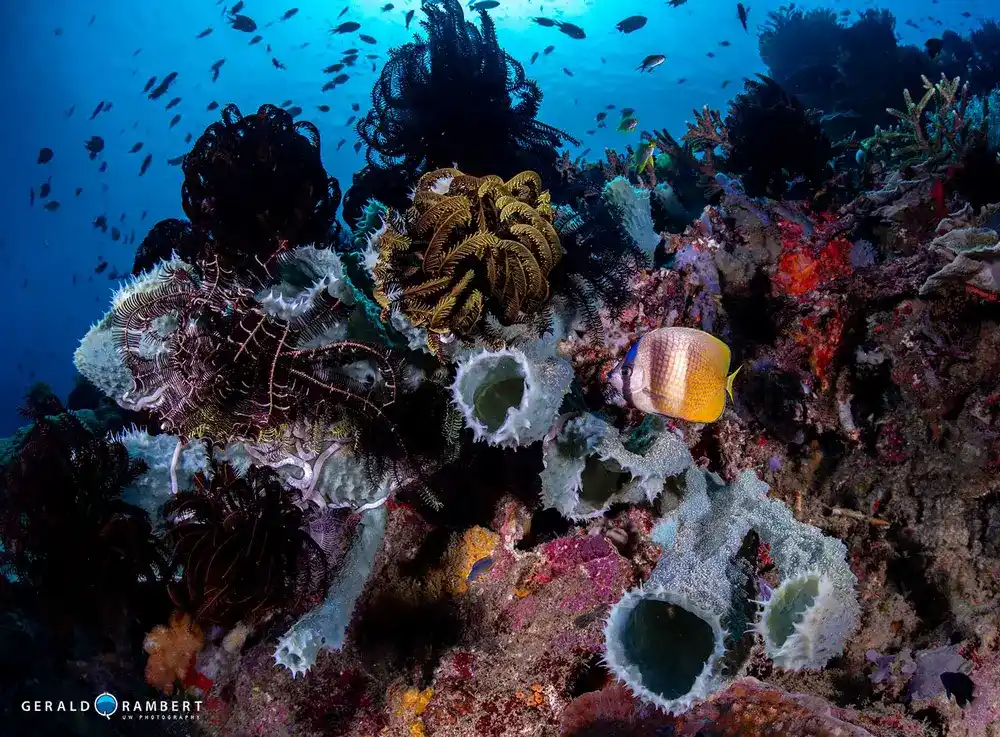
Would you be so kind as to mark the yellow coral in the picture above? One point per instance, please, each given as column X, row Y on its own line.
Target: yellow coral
column 469, row 246
column 412, row 703
column 172, row 650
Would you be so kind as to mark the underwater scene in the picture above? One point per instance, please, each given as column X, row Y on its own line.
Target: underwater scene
column 501, row 368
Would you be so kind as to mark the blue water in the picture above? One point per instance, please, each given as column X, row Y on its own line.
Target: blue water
column 44, row 74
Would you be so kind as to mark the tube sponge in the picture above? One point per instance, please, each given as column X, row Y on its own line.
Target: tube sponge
column 151, row 490
column 325, row 627
column 587, row 468
column 807, row 621
column 508, row 397
column 631, row 204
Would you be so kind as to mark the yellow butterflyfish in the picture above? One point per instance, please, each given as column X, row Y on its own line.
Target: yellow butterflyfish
column 676, row 372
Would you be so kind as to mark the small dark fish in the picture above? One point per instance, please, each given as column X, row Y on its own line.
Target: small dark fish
column 357, row 147
column 237, row 8
column 628, row 112
column 724, row 44
column 742, row 13
column 103, row 167
column 534, row 57
column 710, row 54
column 289, row 13
column 548, row 50
column 116, row 234
column 485, row 5
column 303, row 44
column 328, row 86
column 122, row 218
column 682, row 80
column 173, row 103
column 350, row 59
column 341, row 78
column 340, row 143
column 101, row 221
column 161, row 89
column 567, row 72
column 367, row 39
column 52, row 206
column 46, row 187
column 137, row 51
column 571, row 30
column 355, row 106
column 242, row 23
column 323, row 108
column 145, row 164
column 149, row 84
column 601, row 116
column 546, row 22
column 351, row 119
column 91, row 21
column 348, row 52
column 933, row 46
column 79, row 191
column 108, row 106
column 69, row 112
column 333, row 68
column 346, row 27
column 409, row 17
column 344, row 11
column 45, row 155
column 277, row 64
column 966, row 14
column 371, row 56
column 387, row 7
column 95, row 144
column 584, row 152
column 131, row 236
column 136, row 148
column 143, row 215
column 99, row 269
column 216, row 67
column 255, row 40
column 294, row 110
column 212, row 105
column 97, row 110
column 651, row 62
column 610, row 106
column 632, row 23
column 176, row 161
column 32, row 197
column 174, row 121
column 286, row 103
column 187, row 138
column 725, row 83
column 481, row 566
column 204, row 33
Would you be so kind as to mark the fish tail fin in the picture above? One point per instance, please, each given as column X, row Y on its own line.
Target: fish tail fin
column 729, row 383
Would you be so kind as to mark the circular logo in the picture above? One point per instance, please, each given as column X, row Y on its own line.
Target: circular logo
column 106, row 704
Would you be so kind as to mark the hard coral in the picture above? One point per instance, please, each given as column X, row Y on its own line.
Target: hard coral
column 242, row 549
column 469, row 248
column 172, row 650
column 256, row 185
column 452, row 98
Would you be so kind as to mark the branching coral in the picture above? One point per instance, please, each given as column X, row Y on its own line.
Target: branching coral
column 454, row 98
column 934, row 128
column 468, row 248
column 707, row 134
column 242, row 549
column 256, row 185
